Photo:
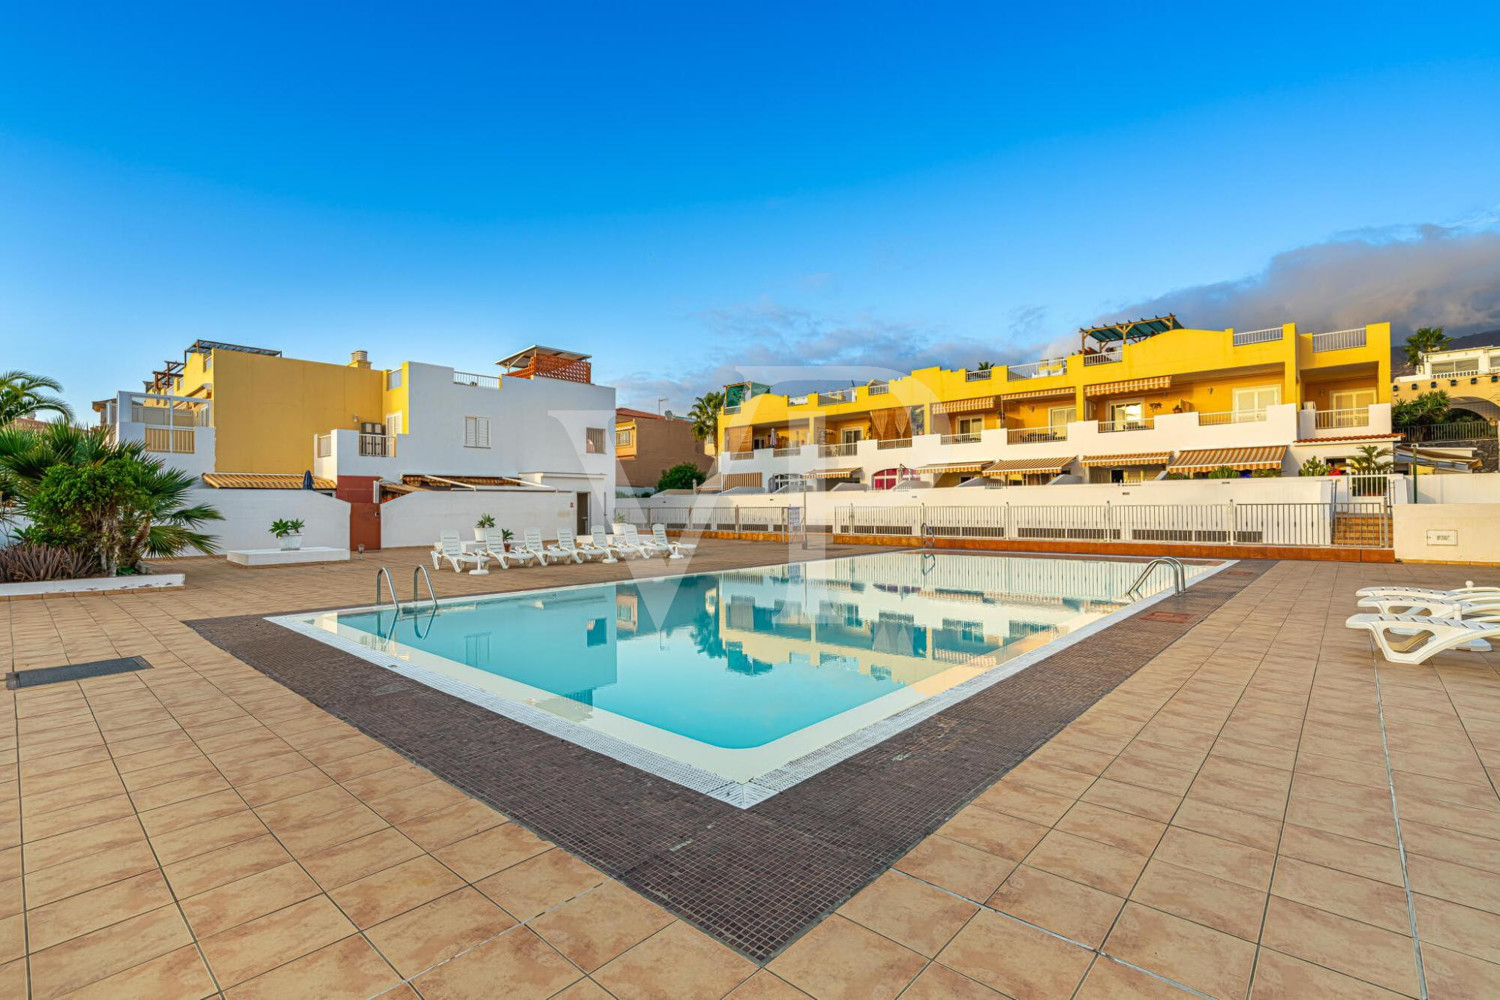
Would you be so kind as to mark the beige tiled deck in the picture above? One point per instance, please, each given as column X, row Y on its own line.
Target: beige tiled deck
column 1222, row 821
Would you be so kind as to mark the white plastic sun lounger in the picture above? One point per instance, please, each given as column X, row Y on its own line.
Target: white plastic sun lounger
column 628, row 540
column 1413, row 638
column 450, row 548
column 1479, row 609
column 659, row 536
column 494, row 548
column 1465, row 592
column 647, row 546
column 533, row 543
column 599, row 542
column 567, row 546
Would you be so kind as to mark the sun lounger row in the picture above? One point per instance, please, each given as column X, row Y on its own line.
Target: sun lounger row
column 1415, row 623
column 597, row 545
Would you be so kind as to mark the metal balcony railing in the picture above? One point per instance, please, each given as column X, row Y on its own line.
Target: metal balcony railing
column 979, row 374
column 1338, row 340
column 888, row 443
column 842, row 450
column 169, row 440
column 1130, row 424
column 1231, row 417
column 377, row 446
column 787, row 451
column 1038, row 369
column 1244, row 337
column 1358, row 416
column 741, row 456
column 1035, row 435
column 470, row 378
column 837, row 396
column 1104, row 357
column 1458, row 430
column 877, row 390
column 968, row 437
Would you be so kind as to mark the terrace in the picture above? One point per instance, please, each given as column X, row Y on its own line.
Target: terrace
column 1245, row 803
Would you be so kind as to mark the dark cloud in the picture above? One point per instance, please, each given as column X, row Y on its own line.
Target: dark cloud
column 1426, row 276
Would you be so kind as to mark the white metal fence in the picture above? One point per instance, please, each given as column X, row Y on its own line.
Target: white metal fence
column 1243, row 337
column 1338, row 340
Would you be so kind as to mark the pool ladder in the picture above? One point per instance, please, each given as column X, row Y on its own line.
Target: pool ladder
column 1179, row 575
column 419, row 571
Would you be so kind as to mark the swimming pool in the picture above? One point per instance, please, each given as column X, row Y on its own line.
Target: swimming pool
column 741, row 683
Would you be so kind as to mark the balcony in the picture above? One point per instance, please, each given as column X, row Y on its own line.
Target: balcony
column 1121, row 426
column 1338, row 340
column 886, row 444
column 978, row 374
column 176, row 429
column 1231, row 417
column 969, row 437
column 843, row 450
column 352, row 453
column 835, row 397
column 469, row 378
column 1358, row 416
column 1035, row 435
column 1104, row 358
column 1038, row 369
column 1244, row 338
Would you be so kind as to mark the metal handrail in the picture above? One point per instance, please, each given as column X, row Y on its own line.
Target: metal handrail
column 1179, row 575
column 426, row 576
column 396, row 601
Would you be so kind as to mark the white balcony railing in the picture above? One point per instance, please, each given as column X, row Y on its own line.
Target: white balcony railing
column 969, row 437
column 741, row 456
column 842, row 450
column 469, row 378
column 1243, row 337
column 1104, row 357
column 323, row 446
column 1131, row 424
column 887, row 444
column 1358, row 416
column 1231, row 417
column 836, row 396
column 169, row 440
column 787, row 451
column 1038, row 369
column 1338, row 340
column 978, row 374
column 168, row 413
column 1035, row 435
column 877, row 390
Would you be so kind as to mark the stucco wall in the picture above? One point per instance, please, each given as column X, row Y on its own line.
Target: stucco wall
column 418, row 518
column 248, row 515
column 1459, row 489
column 1448, row 532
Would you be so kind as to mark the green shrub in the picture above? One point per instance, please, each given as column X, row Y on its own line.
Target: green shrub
column 1266, row 474
column 284, row 526
column 1224, row 472
column 683, row 476
column 1314, row 466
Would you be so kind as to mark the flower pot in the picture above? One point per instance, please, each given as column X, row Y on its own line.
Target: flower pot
column 291, row 543
column 478, row 534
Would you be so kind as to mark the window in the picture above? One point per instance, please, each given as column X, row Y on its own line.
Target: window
column 476, row 432
column 970, row 425
column 593, row 440
column 1353, row 399
column 788, row 480
column 393, row 423
column 1257, row 398
column 624, row 437
column 851, row 435
column 393, row 378
column 1127, row 414
column 1061, row 416
column 886, row 479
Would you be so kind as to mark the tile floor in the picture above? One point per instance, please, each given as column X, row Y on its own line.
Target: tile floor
column 1222, row 824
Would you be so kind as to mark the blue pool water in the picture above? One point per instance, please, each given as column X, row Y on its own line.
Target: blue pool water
column 739, row 659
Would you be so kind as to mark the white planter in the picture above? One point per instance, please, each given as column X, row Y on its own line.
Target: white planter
column 291, row 543
column 479, row 534
column 92, row 585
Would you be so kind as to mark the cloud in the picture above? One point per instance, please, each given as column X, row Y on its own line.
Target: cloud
column 798, row 350
column 1430, row 275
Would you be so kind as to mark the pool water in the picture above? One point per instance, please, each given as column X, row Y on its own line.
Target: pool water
column 747, row 669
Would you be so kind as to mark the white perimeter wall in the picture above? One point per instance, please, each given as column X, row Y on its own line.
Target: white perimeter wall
column 1447, row 532
column 418, row 518
column 248, row 515
column 1481, row 487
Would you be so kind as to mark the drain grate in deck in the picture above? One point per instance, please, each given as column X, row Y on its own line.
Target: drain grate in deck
column 74, row 672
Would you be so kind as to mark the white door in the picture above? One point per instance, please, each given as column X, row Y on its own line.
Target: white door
column 1061, row 416
column 1353, row 399
column 1255, row 400
column 1127, row 414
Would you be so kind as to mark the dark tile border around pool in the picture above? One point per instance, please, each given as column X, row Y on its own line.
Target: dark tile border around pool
column 754, row 878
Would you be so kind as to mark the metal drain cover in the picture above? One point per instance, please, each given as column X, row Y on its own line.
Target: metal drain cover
column 74, row 672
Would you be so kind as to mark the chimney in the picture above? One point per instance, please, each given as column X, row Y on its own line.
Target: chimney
column 359, row 359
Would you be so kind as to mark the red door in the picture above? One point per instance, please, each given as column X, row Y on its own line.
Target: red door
column 364, row 526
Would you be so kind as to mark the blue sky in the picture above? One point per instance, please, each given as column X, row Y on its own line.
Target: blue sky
column 688, row 191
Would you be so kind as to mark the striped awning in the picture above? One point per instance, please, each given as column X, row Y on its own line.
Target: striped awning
column 1139, row 458
column 1129, row 385
column 1207, row 459
column 1018, row 466
column 1062, row 390
column 834, row 473
column 262, row 481
column 977, row 404
column 942, row 467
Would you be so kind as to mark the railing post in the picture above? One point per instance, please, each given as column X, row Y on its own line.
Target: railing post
column 736, row 518
column 1233, row 525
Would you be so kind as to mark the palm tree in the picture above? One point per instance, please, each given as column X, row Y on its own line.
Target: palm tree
column 136, row 507
column 984, row 366
column 22, row 394
column 705, row 416
column 1426, row 340
column 1370, row 460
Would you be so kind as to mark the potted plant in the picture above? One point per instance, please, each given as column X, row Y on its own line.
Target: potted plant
column 289, row 530
column 505, row 536
column 485, row 521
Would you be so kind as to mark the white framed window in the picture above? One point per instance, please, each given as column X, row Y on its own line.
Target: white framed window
column 852, row 434
column 1353, row 399
column 624, row 437
column 1256, row 398
column 1061, row 416
column 476, row 432
column 1127, row 413
column 970, row 425
column 593, row 440
column 394, row 423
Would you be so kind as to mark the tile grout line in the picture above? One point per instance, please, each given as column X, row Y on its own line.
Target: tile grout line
column 1411, row 903
column 15, row 711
